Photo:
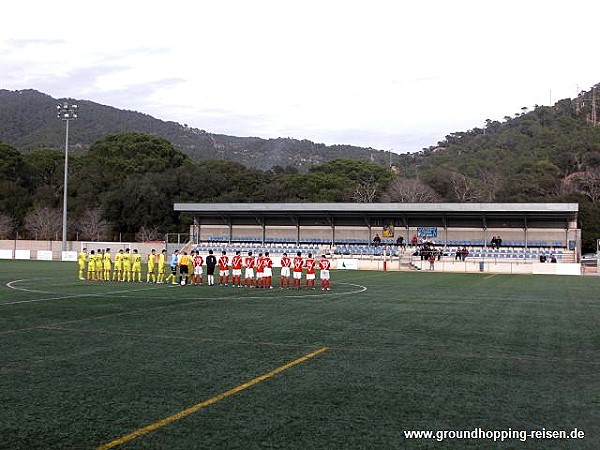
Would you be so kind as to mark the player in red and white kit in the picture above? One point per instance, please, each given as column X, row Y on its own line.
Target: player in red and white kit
column 198, row 262
column 223, row 269
column 286, row 264
column 268, row 271
column 236, row 270
column 260, row 271
column 249, row 263
column 309, row 263
column 297, row 265
column 324, row 265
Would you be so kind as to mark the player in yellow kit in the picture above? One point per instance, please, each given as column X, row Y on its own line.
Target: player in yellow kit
column 126, row 266
column 98, row 274
column 136, row 266
column 151, row 275
column 81, row 260
column 91, row 266
column 162, row 261
column 107, row 264
column 118, row 267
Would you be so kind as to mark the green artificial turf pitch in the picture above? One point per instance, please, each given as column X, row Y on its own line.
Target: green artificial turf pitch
column 84, row 364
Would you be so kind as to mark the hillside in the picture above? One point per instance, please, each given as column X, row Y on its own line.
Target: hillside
column 28, row 121
column 538, row 155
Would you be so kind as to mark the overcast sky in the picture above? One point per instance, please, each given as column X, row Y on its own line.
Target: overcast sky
column 395, row 74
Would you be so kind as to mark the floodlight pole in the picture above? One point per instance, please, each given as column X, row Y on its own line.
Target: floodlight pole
column 66, row 112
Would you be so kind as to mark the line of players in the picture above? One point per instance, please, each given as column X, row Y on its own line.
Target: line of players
column 127, row 266
column 258, row 271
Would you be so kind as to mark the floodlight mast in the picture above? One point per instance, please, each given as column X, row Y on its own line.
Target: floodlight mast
column 67, row 112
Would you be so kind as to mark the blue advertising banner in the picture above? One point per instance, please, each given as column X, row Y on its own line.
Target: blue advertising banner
column 427, row 232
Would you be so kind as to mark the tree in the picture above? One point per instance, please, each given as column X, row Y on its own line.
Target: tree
column 146, row 234
column 44, row 223
column 91, row 226
column 365, row 180
column 47, row 167
column 404, row 190
column 588, row 184
column 15, row 185
column 315, row 187
column 365, row 191
column 120, row 155
column 12, row 164
column 7, row 226
column 466, row 189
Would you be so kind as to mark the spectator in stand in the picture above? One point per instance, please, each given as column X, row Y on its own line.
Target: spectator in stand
column 457, row 254
column 400, row 243
column 376, row 240
column 414, row 240
column 498, row 242
column 494, row 242
column 464, row 253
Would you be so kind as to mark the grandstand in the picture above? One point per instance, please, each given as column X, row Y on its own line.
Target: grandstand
column 528, row 230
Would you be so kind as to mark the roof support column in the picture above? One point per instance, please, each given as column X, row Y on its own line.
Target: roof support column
column 484, row 234
column 332, row 225
column 230, row 225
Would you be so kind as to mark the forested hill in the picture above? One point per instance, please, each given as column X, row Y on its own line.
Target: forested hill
column 28, row 121
column 543, row 154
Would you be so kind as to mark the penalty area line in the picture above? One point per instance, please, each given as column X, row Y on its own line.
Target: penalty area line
column 198, row 406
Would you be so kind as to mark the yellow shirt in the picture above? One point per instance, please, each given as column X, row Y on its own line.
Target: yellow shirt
column 136, row 259
column 126, row 261
column 151, row 260
column 186, row 260
column 119, row 261
column 81, row 259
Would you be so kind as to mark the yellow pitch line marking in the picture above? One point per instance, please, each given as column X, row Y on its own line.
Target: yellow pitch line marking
column 192, row 409
column 490, row 276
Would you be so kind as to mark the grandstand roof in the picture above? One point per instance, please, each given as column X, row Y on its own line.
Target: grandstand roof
column 379, row 208
column 533, row 210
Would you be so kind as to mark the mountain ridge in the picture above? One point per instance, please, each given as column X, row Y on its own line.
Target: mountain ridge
column 28, row 122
